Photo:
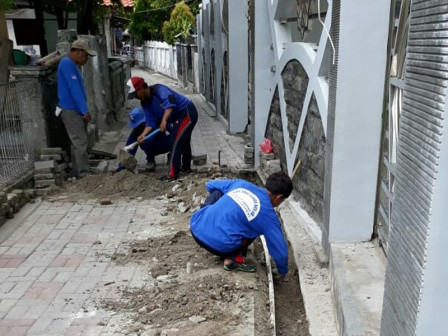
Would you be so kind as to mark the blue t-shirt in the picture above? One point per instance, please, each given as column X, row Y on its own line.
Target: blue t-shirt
column 162, row 98
column 71, row 91
column 245, row 211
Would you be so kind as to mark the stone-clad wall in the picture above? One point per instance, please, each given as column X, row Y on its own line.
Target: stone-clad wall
column 309, row 181
column 295, row 83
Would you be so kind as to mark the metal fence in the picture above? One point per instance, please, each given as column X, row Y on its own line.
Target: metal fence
column 16, row 150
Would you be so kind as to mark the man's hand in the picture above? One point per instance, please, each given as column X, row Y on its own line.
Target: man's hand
column 162, row 126
column 87, row 117
column 141, row 139
column 277, row 276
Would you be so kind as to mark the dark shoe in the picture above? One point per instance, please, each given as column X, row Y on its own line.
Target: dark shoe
column 186, row 170
column 243, row 267
column 151, row 166
column 167, row 178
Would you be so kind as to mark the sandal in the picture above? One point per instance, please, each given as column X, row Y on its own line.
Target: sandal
column 243, row 267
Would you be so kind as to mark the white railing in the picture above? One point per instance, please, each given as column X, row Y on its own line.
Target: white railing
column 138, row 55
column 160, row 57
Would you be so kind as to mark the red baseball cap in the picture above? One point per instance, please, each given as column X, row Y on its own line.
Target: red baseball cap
column 134, row 84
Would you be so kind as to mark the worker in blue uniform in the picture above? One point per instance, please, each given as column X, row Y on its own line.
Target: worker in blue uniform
column 72, row 104
column 157, row 144
column 163, row 106
column 235, row 213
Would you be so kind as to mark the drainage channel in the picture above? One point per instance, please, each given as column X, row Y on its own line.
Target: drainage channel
column 286, row 306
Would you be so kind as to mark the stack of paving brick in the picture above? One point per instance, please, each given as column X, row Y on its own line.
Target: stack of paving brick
column 248, row 154
column 269, row 164
column 199, row 160
column 50, row 171
column 10, row 203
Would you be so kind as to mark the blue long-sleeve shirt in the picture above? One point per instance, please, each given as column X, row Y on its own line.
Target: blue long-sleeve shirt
column 245, row 211
column 163, row 98
column 71, row 91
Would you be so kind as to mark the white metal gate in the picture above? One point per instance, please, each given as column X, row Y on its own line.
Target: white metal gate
column 16, row 151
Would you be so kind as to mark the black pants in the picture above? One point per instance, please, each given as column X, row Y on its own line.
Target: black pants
column 239, row 251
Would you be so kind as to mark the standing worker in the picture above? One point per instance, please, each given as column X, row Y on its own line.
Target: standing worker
column 163, row 106
column 235, row 213
column 72, row 104
column 157, row 144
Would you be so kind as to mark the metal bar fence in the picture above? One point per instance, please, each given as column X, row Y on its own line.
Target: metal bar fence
column 16, row 150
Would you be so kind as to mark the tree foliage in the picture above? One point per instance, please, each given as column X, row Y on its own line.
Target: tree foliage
column 6, row 4
column 149, row 16
column 181, row 20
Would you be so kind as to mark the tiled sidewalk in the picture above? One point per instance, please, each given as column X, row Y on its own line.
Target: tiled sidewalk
column 57, row 262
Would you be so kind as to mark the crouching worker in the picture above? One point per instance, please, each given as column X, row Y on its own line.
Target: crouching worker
column 237, row 212
column 158, row 144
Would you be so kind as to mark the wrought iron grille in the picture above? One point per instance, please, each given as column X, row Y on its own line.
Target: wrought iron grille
column 16, row 151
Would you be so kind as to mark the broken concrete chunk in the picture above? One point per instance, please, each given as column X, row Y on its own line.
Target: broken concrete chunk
column 197, row 319
column 182, row 207
column 105, row 202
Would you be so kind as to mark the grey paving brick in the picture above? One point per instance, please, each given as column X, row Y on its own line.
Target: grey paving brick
column 40, row 258
column 6, row 305
column 36, row 271
column 35, row 312
column 16, row 291
column 16, row 313
column 63, row 276
column 53, row 273
column 44, row 166
column 39, row 327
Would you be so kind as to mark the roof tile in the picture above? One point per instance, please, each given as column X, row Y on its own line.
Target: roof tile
column 125, row 3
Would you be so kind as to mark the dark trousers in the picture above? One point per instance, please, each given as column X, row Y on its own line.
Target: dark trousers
column 239, row 251
column 181, row 141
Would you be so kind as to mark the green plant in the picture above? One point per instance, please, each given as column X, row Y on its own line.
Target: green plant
column 6, row 4
column 181, row 20
column 148, row 18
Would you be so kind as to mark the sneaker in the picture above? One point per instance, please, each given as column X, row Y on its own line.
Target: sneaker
column 151, row 166
column 167, row 178
column 243, row 267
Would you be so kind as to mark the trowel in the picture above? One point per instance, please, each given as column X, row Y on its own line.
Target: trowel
column 127, row 160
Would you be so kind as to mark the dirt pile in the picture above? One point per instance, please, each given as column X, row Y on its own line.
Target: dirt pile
column 122, row 184
column 190, row 292
column 170, row 253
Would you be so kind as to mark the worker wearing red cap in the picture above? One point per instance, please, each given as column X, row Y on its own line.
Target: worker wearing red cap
column 163, row 106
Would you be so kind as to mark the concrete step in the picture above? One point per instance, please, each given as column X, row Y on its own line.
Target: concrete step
column 357, row 272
